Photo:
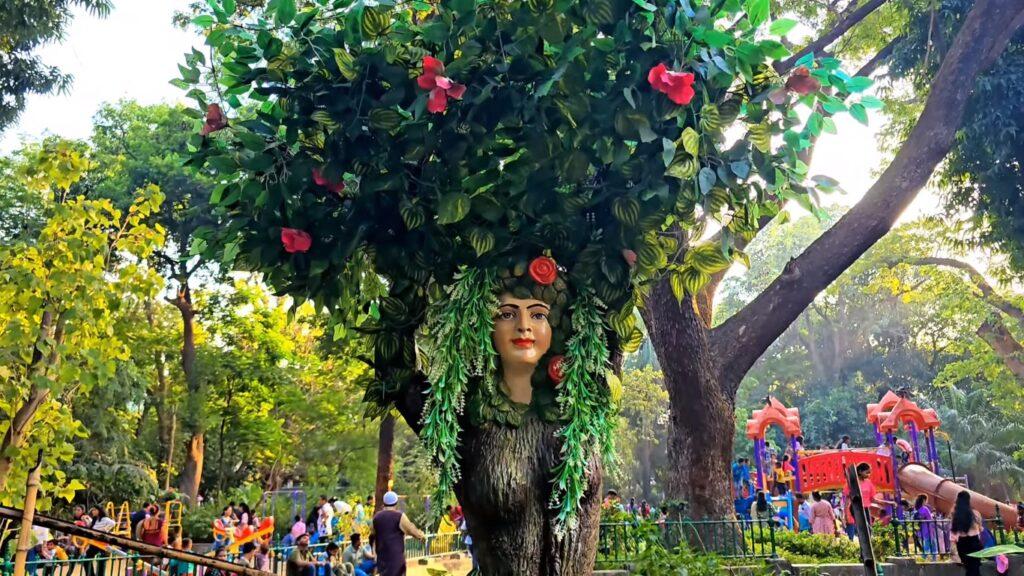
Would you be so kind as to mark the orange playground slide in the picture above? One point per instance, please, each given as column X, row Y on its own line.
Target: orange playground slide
column 917, row 479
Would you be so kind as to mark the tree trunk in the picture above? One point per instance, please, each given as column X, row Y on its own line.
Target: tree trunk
column 505, row 492
column 646, row 447
column 701, row 419
column 192, row 470
column 385, row 456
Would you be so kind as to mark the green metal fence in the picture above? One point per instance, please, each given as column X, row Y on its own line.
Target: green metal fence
column 621, row 542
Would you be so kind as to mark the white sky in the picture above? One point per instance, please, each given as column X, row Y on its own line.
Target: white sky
column 134, row 52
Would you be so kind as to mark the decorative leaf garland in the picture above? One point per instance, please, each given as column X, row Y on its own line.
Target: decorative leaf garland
column 461, row 327
column 586, row 407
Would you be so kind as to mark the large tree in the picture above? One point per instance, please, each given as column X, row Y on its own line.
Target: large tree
column 25, row 26
column 445, row 147
column 702, row 383
column 136, row 146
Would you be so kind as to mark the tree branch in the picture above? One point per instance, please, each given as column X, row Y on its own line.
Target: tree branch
column 879, row 58
column 1009, row 350
column 745, row 336
column 987, row 291
column 845, row 23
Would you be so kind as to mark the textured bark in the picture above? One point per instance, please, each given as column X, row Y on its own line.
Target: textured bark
column 385, row 456
column 192, row 471
column 505, row 492
column 700, row 407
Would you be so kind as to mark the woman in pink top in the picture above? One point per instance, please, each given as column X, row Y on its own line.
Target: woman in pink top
column 822, row 518
column 298, row 529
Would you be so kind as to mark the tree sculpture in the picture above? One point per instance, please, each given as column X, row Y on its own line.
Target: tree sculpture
column 515, row 171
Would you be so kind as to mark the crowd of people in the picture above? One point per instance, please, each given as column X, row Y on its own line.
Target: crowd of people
column 356, row 540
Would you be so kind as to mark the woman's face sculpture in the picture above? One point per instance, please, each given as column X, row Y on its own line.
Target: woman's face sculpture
column 522, row 336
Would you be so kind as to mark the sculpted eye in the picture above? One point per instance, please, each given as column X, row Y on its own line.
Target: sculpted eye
column 540, row 316
column 506, row 315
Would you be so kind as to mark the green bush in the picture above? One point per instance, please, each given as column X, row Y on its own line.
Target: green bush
column 807, row 548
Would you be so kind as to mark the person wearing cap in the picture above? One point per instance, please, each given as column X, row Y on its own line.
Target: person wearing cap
column 391, row 526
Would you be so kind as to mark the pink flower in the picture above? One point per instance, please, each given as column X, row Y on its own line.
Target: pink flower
column 295, row 240
column 321, row 180
column 441, row 87
column 678, row 86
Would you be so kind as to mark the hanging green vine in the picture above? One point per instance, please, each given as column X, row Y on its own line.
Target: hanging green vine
column 461, row 328
column 586, row 406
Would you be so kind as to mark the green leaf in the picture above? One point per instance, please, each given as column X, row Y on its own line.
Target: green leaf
column 871, row 103
column 345, row 63
column 740, row 168
column 646, row 134
column 828, row 125
column 757, row 11
column 203, row 20
column 645, row 5
column 453, row 207
column 668, row 151
column 285, row 12
column 859, row 83
column 781, row 27
column 691, row 141
column 706, row 178
column 859, row 113
column 229, row 6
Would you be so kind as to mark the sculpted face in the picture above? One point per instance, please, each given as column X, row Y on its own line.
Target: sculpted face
column 521, row 330
column 522, row 336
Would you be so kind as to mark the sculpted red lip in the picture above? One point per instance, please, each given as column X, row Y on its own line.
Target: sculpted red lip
column 522, row 342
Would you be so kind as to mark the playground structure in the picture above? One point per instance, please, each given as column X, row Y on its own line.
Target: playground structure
column 903, row 477
column 234, row 537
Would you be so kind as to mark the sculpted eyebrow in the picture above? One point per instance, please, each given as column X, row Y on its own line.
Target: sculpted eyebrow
column 538, row 305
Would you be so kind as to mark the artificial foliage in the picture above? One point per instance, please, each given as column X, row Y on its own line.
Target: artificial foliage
column 586, row 405
column 414, row 140
column 460, row 327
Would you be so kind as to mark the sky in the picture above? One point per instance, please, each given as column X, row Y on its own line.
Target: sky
column 134, row 52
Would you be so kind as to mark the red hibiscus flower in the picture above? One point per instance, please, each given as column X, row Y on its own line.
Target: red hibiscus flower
column 555, row 369
column 215, row 120
column 678, row 86
column 801, row 82
column 321, row 180
column 543, row 270
column 441, row 87
column 295, row 240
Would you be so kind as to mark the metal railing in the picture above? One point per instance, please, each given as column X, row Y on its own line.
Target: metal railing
column 622, row 542
column 926, row 539
column 119, row 564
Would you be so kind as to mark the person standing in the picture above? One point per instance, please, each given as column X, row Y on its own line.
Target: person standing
column 867, row 497
column 391, row 526
column 926, row 526
column 823, row 520
column 326, row 519
column 151, row 529
column 965, row 531
column 803, row 513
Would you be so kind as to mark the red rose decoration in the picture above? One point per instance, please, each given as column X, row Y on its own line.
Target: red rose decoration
column 543, row 270
column 801, row 82
column 321, row 180
column 295, row 240
column 215, row 120
column 678, row 86
column 441, row 87
column 555, row 369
